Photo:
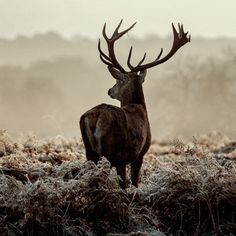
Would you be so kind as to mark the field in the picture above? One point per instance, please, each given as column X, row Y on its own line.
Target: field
column 48, row 188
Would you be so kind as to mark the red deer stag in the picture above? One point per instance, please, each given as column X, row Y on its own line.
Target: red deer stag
column 122, row 134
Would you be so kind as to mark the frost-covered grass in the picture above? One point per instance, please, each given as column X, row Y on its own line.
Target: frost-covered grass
column 48, row 188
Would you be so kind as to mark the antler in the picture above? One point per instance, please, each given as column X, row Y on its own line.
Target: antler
column 111, row 59
column 180, row 38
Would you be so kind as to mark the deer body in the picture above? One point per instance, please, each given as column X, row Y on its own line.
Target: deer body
column 122, row 134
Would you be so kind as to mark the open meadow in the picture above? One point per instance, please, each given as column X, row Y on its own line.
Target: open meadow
column 48, row 188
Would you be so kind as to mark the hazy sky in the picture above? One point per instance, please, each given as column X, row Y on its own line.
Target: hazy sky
column 84, row 17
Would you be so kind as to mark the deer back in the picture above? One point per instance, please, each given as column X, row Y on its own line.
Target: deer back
column 117, row 133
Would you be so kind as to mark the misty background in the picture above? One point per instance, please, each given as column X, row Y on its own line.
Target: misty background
column 50, row 71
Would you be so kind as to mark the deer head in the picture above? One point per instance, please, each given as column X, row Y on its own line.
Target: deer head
column 127, row 81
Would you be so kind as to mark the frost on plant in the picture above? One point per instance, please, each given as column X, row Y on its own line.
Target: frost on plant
column 48, row 188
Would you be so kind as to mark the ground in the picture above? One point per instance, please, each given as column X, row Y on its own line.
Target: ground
column 48, row 188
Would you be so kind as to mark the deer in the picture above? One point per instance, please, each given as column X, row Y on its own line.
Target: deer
column 122, row 134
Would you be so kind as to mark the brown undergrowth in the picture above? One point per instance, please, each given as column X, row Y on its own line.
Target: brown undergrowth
column 48, row 188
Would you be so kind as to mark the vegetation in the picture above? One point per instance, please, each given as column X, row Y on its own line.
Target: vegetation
column 48, row 188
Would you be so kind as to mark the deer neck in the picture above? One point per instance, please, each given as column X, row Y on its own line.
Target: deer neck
column 134, row 96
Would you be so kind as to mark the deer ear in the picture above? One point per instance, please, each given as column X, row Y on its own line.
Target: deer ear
column 142, row 75
column 116, row 74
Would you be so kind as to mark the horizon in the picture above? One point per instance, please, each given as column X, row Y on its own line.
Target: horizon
column 80, row 36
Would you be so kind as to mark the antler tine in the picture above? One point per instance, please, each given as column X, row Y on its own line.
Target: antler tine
column 105, row 59
column 181, row 29
column 180, row 39
column 117, row 28
column 117, row 35
column 175, row 33
column 129, row 57
column 104, row 33
column 185, row 34
column 142, row 60
column 101, row 52
column 159, row 55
